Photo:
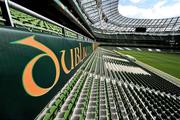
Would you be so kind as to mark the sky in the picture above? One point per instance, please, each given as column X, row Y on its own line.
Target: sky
column 146, row 9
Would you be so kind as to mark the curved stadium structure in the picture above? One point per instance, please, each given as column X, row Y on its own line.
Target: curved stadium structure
column 109, row 25
column 104, row 15
column 83, row 60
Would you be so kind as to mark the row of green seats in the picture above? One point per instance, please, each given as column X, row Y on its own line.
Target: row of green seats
column 86, row 99
column 96, row 85
column 90, row 63
column 74, row 99
column 107, row 96
column 86, row 63
column 81, row 37
column 92, row 89
column 60, row 100
column 94, row 66
column 26, row 20
column 70, row 34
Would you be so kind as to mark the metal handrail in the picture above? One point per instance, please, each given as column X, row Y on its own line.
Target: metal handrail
column 59, row 3
column 32, row 13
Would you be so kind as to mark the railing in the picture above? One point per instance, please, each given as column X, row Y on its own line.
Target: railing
column 15, row 15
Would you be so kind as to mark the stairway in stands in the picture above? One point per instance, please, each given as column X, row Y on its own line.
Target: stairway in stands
column 109, row 87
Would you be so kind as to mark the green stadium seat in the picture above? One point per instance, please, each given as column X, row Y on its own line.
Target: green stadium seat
column 58, row 102
column 53, row 109
column 68, row 88
column 66, row 114
column 47, row 116
column 62, row 97
column 82, row 117
column 70, row 106
column 73, row 100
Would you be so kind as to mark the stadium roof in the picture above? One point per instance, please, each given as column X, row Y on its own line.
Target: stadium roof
column 104, row 15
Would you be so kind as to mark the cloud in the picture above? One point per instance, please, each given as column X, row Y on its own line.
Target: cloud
column 160, row 10
column 159, row 4
column 135, row 1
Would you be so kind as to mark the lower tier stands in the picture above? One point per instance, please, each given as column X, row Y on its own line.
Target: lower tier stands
column 109, row 87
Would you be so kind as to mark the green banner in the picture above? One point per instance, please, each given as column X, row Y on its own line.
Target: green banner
column 33, row 68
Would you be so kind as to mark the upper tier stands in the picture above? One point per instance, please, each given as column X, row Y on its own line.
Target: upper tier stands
column 26, row 21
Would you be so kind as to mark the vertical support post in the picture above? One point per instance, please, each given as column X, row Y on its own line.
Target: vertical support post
column 6, row 13
column 63, row 31
column 77, row 35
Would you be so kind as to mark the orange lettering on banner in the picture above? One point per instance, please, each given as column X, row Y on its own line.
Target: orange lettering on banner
column 29, row 83
column 84, row 52
column 80, row 54
column 72, row 59
column 77, row 56
column 30, row 86
column 63, row 63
